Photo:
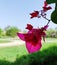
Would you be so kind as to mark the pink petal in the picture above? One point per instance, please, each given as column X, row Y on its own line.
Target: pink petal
column 45, row 4
column 45, row 27
column 31, row 48
column 29, row 27
column 21, row 36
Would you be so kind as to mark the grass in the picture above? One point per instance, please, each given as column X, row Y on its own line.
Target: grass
column 4, row 41
column 10, row 53
column 18, row 55
column 51, row 39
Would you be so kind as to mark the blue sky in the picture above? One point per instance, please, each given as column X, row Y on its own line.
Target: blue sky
column 16, row 13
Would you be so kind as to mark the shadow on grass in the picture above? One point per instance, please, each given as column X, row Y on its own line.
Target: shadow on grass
column 45, row 57
column 3, row 62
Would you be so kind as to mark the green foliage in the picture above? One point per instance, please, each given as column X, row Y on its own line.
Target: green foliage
column 12, row 31
column 1, row 32
column 45, row 57
column 5, row 62
column 54, row 16
column 51, row 1
column 18, row 55
column 51, row 33
column 54, row 13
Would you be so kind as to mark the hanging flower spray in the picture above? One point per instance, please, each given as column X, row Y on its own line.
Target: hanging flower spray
column 34, row 35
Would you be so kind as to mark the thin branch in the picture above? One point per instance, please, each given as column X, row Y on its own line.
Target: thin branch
column 46, row 19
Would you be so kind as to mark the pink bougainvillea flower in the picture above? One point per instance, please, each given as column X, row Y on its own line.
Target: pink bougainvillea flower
column 45, row 27
column 33, row 39
column 45, row 4
column 46, row 7
column 29, row 27
column 34, row 14
column 40, row 13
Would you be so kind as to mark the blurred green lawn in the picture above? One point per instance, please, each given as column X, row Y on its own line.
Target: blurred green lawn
column 11, row 53
column 4, row 41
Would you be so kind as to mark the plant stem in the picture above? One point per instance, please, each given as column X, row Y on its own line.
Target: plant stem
column 46, row 19
column 48, row 22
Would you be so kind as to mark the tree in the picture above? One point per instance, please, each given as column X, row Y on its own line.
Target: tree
column 51, row 33
column 1, row 32
column 12, row 31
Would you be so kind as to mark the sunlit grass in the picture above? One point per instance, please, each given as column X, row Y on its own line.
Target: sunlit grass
column 11, row 53
column 4, row 41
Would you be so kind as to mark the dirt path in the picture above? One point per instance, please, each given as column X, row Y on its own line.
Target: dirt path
column 19, row 42
column 13, row 43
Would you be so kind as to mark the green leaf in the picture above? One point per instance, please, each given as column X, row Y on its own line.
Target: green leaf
column 56, row 6
column 51, row 1
column 54, row 16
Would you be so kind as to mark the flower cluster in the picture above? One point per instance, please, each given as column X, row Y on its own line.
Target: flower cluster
column 42, row 12
column 34, row 35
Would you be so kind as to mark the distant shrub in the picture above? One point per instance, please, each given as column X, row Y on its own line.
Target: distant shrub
column 1, row 32
column 52, row 33
column 12, row 31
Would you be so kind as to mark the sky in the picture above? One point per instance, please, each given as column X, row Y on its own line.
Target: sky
column 16, row 13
